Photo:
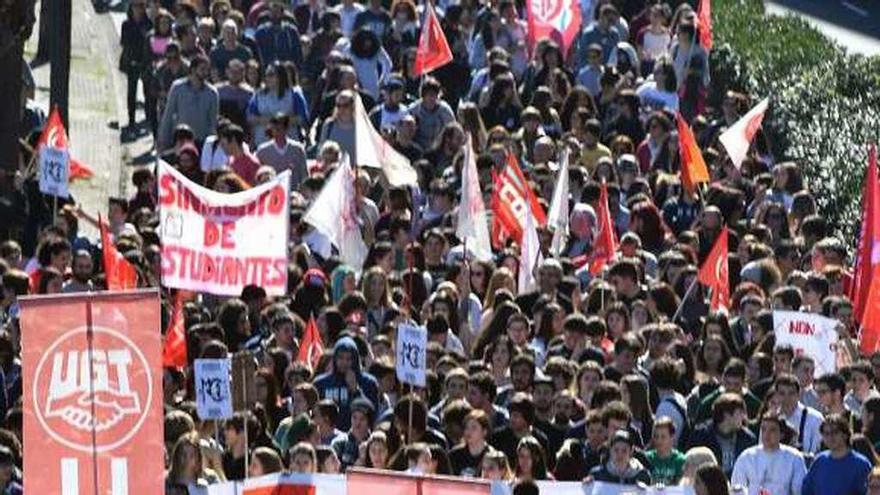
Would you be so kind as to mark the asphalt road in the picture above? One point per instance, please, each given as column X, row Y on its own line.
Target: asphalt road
column 855, row 24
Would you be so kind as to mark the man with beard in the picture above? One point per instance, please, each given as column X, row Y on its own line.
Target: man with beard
column 83, row 267
column 192, row 101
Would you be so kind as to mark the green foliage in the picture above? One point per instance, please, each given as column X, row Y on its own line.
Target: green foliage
column 825, row 103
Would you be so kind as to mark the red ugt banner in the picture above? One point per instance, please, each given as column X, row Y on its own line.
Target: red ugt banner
column 92, row 393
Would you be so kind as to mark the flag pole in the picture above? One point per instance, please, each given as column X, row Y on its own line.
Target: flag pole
column 684, row 299
column 90, row 335
column 246, row 410
column 412, row 397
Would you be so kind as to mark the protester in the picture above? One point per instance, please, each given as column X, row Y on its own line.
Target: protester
column 531, row 204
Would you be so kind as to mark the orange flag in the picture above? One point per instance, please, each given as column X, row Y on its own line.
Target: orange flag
column 693, row 167
column 174, row 347
column 120, row 274
column 55, row 136
column 433, row 51
column 713, row 273
column 311, row 348
column 704, row 14
column 606, row 241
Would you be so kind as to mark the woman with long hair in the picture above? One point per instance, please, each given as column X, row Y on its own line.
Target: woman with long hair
column 269, row 396
column 498, row 356
column 502, row 107
column 712, row 358
column 645, row 220
column 589, row 376
column 375, row 451
column 710, row 480
column 186, row 463
column 234, row 319
column 404, row 32
column 472, row 123
column 871, row 420
column 495, row 466
column 447, row 146
column 277, row 96
column 530, row 463
column 502, row 278
column 497, row 326
column 340, row 126
column 377, row 292
column 157, row 42
column 634, row 389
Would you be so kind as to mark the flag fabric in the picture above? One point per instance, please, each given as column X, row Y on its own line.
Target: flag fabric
column 92, row 377
column 174, row 346
column 738, row 137
column 433, row 51
column 704, row 15
column 606, row 241
column 865, row 289
column 510, row 197
column 119, row 273
column 312, row 347
column 371, row 150
column 473, row 223
column 334, row 214
column 713, row 273
column 55, row 136
column 557, row 217
column 693, row 167
column 558, row 20
column 530, row 255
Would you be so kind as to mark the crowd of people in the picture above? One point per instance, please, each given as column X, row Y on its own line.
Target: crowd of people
column 622, row 376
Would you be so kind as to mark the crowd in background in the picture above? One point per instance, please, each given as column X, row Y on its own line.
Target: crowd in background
column 619, row 376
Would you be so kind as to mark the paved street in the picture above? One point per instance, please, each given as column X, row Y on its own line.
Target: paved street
column 97, row 105
column 855, row 24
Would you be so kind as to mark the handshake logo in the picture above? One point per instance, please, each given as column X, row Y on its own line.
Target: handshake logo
column 106, row 390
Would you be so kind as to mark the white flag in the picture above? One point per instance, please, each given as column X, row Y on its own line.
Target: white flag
column 530, row 254
column 373, row 151
column 557, row 217
column 738, row 137
column 334, row 214
column 473, row 226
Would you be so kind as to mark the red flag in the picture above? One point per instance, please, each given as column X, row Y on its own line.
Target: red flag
column 558, row 20
column 865, row 289
column 704, row 15
column 311, row 348
column 510, row 196
column 90, row 366
column 606, row 240
column 433, row 51
column 693, row 167
column 120, row 274
column 174, row 347
column 55, row 136
column 713, row 273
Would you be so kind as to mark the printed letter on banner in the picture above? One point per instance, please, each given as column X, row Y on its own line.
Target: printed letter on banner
column 213, row 395
column 219, row 243
column 92, row 382
column 412, row 347
column 810, row 334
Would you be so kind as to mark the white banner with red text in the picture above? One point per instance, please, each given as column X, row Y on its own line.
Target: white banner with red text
column 218, row 243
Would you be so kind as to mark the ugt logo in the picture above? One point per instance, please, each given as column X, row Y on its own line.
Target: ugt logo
column 546, row 11
column 66, row 380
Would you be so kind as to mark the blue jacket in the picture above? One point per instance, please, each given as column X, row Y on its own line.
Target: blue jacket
column 279, row 42
column 332, row 385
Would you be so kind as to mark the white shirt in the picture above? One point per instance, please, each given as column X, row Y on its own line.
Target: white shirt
column 665, row 409
column 780, row 472
column 812, row 436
